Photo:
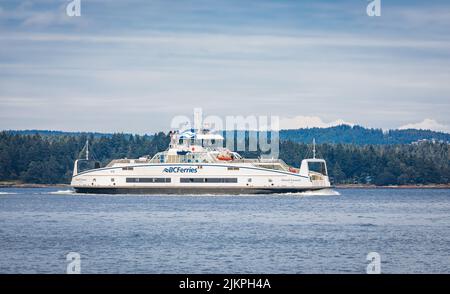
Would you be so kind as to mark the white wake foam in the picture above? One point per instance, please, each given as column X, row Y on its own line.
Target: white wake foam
column 63, row 192
column 323, row 192
column 7, row 193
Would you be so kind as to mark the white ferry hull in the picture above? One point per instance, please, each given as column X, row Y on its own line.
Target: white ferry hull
column 220, row 179
column 195, row 163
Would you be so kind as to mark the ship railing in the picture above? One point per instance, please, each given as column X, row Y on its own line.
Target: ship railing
column 116, row 161
column 245, row 160
column 127, row 161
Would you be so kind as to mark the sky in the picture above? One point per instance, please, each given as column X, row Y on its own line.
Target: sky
column 131, row 66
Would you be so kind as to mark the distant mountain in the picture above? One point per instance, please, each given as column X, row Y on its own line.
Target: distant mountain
column 361, row 136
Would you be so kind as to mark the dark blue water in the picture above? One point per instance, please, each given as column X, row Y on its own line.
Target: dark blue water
column 225, row 234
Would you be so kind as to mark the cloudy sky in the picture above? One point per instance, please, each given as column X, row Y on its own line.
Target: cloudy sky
column 133, row 65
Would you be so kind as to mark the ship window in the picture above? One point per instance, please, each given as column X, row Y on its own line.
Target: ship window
column 213, row 180
column 148, row 180
column 161, row 180
column 128, row 168
column 112, row 179
column 318, row 167
column 271, row 166
column 249, row 180
column 192, row 180
column 230, row 180
column 208, row 180
column 233, row 168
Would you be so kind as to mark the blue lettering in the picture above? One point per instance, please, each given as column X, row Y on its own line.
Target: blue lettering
column 179, row 169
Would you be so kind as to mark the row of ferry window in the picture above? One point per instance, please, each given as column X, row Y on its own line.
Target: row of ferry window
column 182, row 180
column 131, row 168
column 180, row 158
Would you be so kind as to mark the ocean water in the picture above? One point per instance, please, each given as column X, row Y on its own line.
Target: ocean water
column 326, row 232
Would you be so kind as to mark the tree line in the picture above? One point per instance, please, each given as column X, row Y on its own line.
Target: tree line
column 422, row 163
column 361, row 136
column 49, row 159
column 337, row 134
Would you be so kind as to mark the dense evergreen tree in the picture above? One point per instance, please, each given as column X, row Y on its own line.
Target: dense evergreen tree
column 422, row 163
column 49, row 159
column 361, row 136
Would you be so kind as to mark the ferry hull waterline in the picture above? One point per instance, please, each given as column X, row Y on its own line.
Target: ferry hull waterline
column 194, row 165
column 189, row 191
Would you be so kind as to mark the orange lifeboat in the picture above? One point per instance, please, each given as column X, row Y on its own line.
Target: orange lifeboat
column 224, row 156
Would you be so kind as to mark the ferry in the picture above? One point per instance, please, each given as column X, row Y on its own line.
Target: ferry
column 197, row 163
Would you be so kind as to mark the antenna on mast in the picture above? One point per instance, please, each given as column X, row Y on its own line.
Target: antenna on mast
column 87, row 149
column 314, row 148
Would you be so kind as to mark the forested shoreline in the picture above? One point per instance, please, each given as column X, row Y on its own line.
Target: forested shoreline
column 33, row 158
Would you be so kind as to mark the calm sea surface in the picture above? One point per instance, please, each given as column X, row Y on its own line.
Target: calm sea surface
column 331, row 232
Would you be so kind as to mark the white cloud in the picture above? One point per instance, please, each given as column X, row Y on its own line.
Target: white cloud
column 32, row 15
column 176, row 57
column 259, row 42
column 424, row 17
column 45, row 18
column 302, row 122
column 427, row 124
